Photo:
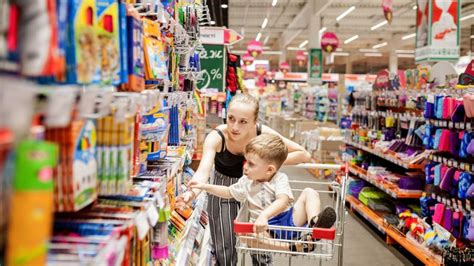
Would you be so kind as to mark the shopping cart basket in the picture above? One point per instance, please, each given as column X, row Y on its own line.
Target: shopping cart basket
column 324, row 241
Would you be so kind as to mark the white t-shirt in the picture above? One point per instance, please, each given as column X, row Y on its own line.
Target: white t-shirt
column 259, row 195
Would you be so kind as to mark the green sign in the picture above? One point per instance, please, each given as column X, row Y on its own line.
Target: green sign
column 315, row 67
column 213, row 67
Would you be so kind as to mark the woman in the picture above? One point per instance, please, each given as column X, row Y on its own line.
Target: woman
column 223, row 149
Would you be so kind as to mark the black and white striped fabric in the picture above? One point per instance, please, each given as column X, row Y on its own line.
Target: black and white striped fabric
column 222, row 213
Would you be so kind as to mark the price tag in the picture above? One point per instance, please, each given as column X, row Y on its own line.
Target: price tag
column 450, row 124
column 456, row 164
column 445, row 123
column 433, row 195
column 462, row 125
column 152, row 215
column 142, row 225
column 443, row 200
column 468, row 205
column 450, row 163
column 457, row 125
column 462, row 166
column 445, row 160
column 468, row 125
column 438, row 198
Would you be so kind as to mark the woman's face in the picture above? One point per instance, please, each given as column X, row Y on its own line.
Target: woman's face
column 240, row 120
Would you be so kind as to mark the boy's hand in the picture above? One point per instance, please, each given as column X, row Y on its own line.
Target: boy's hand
column 261, row 224
column 195, row 184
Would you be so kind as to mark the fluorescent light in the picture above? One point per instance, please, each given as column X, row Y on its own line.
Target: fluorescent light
column 212, row 22
column 379, row 25
column 368, row 50
column 323, row 29
column 295, row 48
column 373, row 54
column 472, row 36
column 339, row 49
column 304, row 43
column 467, row 17
column 259, row 35
column 264, row 52
column 351, row 39
column 224, row 6
column 377, row 46
column 274, row 3
column 406, row 55
column 345, row 13
column 340, row 54
column 415, row 7
column 266, row 40
column 409, row 36
column 405, row 51
column 265, row 22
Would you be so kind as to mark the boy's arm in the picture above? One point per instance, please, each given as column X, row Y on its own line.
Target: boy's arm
column 219, row 191
column 278, row 206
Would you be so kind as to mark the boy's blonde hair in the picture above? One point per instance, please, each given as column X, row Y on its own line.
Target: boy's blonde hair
column 246, row 99
column 270, row 148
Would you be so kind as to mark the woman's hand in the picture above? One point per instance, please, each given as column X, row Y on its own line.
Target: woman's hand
column 195, row 184
column 261, row 224
column 185, row 199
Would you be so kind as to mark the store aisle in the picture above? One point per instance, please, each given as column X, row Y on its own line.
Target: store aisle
column 361, row 247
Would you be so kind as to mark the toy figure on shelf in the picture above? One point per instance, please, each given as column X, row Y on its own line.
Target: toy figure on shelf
column 466, row 79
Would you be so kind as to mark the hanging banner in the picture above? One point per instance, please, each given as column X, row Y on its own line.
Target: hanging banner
column 255, row 48
column 285, row 67
column 329, row 42
column 301, row 58
column 387, row 6
column 437, row 30
column 213, row 67
column 315, row 68
column 247, row 59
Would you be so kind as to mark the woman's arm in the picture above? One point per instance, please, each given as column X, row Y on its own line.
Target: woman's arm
column 296, row 153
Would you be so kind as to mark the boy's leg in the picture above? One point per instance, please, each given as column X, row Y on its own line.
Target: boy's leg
column 307, row 206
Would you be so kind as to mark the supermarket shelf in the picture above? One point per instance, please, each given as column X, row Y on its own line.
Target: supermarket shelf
column 450, row 124
column 391, row 189
column 387, row 157
column 191, row 231
column 393, row 236
column 451, row 162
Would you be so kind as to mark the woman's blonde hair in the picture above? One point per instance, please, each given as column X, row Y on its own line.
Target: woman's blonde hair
column 246, row 99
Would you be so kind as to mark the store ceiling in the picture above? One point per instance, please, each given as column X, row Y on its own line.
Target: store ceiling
column 288, row 27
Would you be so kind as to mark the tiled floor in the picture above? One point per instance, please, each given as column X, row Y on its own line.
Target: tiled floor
column 362, row 245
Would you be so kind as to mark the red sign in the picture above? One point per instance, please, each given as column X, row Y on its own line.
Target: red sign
column 248, row 59
column 329, row 42
column 383, row 80
column 387, row 6
column 255, row 48
column 284, row 67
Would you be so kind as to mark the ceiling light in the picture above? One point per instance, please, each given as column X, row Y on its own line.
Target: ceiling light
column 341, row 16
column 415, row 7
column 295, row 48
column 274, row 3
column 265, row 22
column 266, row 40
column 373, row 54
column 351, row 39
column 409, row 36
column 224, row 6
column 405, row 51
column 467, row 17
column 368, row 50
column 377, row 46
column 212, row 22
column 303, row 44
column 259, row 35
column 379, row 25
column 323, row 29
column 472, row 36
column 339, row 50
column 340, row 54
column 406, row 55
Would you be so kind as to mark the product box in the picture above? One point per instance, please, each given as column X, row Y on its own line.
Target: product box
column 82, row 50
column 135, row 59
column 123, row 42
column 153, row 44
column 108, row 33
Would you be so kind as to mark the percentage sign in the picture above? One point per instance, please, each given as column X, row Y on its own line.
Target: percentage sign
column 215, row 74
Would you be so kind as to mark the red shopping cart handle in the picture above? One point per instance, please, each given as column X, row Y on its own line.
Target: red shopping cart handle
column 317, row 233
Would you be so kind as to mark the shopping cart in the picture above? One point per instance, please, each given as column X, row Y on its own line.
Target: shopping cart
column 328, row 240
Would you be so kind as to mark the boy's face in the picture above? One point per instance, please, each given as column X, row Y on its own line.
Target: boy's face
column 258, row 169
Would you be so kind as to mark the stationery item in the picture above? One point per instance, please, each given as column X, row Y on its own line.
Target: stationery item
column 31, row 204
column 135, row 56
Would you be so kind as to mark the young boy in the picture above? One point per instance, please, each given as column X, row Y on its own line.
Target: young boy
column 267, row 193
